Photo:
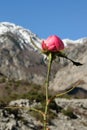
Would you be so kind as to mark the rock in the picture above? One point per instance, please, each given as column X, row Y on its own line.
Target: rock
column 71, row 124
column 24, row 120
column 19, row 59
column 70, row 74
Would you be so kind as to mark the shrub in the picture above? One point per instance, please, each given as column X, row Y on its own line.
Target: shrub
column 69, row 112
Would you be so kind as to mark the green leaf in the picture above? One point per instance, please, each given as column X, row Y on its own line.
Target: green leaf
column 61, row 54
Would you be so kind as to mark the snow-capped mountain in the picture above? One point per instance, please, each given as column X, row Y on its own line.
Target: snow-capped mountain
column 18, row 58
column 22, row 34
column 75, row 42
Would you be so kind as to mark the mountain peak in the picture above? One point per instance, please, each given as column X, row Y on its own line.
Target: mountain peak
column 25, row 34
column 75, row 42
column 19, row 59
column 22, row 34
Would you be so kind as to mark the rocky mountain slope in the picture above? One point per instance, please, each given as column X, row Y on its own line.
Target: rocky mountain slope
column 19, row 59
column 70, row 74
column 71, row 116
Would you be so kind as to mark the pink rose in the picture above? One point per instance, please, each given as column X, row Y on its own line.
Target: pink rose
column 53, row 44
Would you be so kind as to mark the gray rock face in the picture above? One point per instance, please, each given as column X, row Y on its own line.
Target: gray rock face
column 20, row 119
column 79, row 108
column 18, row 58
column 70, row 74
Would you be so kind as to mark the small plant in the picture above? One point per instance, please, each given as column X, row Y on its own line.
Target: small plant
column 52, row 47
column 69, row 112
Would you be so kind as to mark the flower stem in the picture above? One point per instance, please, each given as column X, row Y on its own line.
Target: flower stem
column 35, row 45
column 47, row 85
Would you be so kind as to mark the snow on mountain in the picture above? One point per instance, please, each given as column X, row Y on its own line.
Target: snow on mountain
column 75, row 42
column 19, row 59
column 22, row 34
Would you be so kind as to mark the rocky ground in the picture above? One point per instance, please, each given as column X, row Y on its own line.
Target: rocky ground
column 72, row 116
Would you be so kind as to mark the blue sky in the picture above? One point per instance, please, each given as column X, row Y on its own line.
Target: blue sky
column 65, row 18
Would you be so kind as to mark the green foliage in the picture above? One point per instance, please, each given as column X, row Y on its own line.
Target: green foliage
column 55, row 107
column 2, row 79
column 69, row 112
column 38, row 97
